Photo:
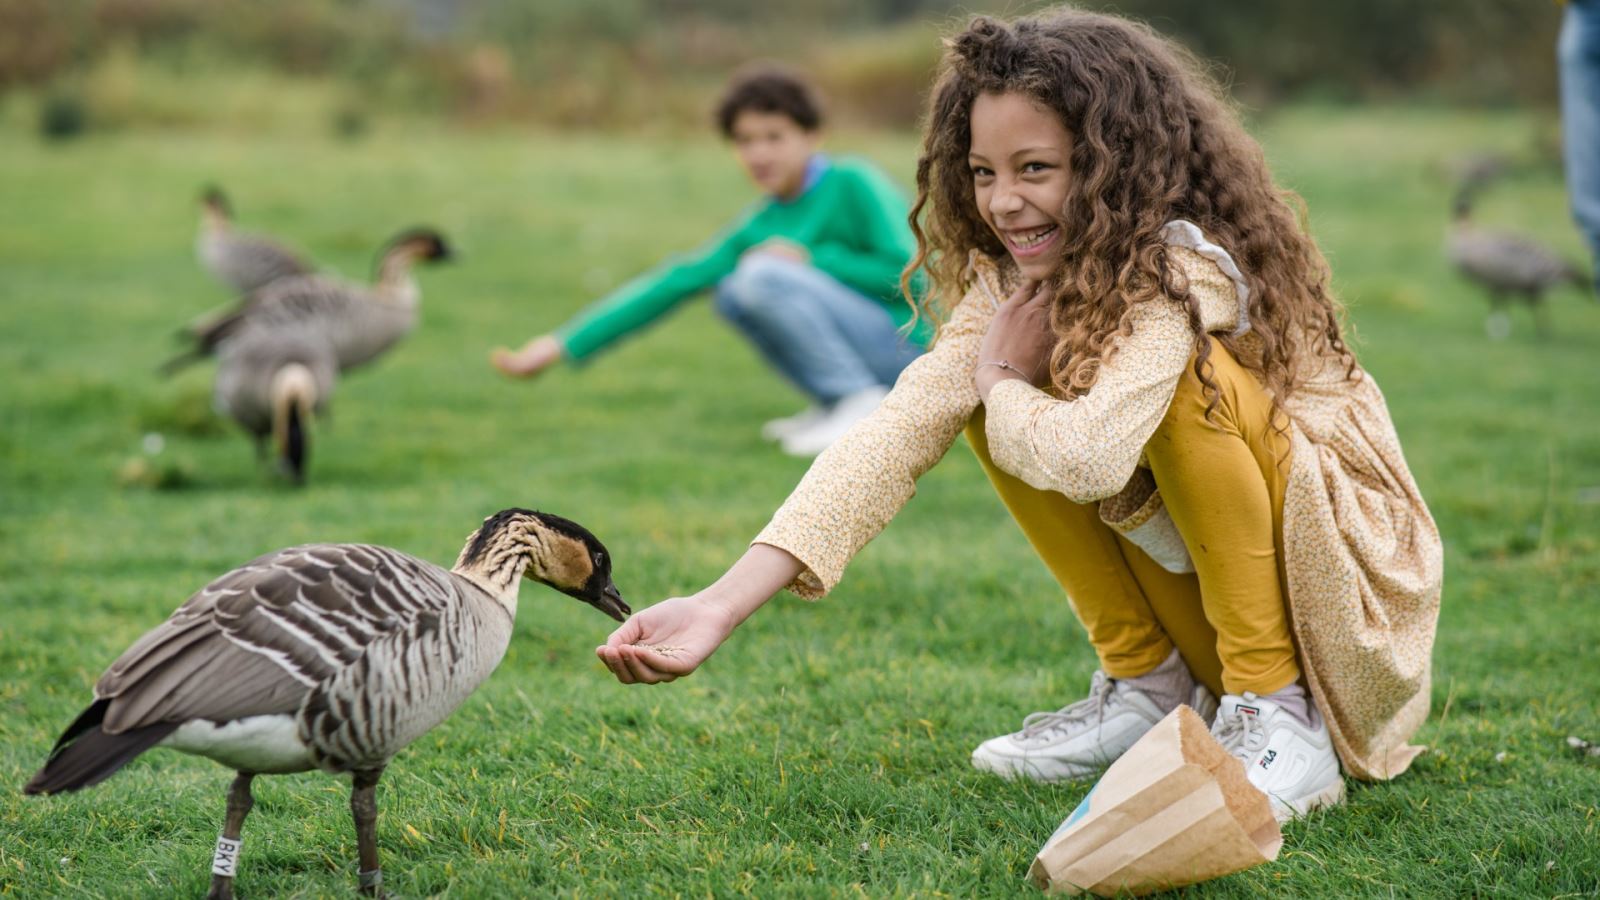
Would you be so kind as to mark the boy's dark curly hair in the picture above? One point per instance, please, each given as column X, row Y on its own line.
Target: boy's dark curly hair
column 1153, row 139
column 769, row 88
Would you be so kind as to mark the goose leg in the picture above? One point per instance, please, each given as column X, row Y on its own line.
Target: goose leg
column 226, row 860
column 1498, row 325
column 364, row 809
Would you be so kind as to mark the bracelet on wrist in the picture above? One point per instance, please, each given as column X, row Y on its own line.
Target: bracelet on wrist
column 1004, row 364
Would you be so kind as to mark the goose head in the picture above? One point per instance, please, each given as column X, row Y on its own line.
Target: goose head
column 545, row 548
column 214, row 208
column 416, row 245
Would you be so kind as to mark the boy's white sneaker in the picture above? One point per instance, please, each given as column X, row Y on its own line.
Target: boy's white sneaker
column 832, row 424
column 1079, row 740
column 1295, row 766
column 778, row 429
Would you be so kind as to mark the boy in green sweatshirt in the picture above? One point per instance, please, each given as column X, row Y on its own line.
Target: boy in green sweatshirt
column 810, row 273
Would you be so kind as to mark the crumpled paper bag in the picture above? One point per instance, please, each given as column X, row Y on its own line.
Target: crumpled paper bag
column 1175, row 809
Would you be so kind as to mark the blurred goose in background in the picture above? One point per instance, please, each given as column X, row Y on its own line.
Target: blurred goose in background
column 1509, row 266
column 242, row 261
column 359, row 321
column 273, row 383
column 324, row 656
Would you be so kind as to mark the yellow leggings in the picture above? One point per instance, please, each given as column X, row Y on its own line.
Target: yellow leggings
column 1222, row 480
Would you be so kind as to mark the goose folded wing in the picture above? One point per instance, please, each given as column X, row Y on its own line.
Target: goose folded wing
column 255, row 260
column 284, row 303
column 299, row 301
column 255, row 641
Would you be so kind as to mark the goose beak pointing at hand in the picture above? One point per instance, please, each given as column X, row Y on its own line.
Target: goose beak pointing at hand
column 611, row 603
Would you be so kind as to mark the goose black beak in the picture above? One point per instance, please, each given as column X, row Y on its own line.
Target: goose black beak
column 611, row 603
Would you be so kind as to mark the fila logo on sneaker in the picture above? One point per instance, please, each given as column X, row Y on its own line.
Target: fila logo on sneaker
column 1267, row 758
column 1249, row 710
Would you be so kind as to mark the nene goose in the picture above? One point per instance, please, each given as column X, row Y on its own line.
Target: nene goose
column 1509, row 266
column 242, row 261
column 360, row 322
column 325, row 656
column 272, row 383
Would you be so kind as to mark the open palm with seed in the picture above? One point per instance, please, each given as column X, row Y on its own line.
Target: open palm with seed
column 324, row 656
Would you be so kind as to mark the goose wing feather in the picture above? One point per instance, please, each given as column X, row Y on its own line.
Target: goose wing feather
column 256, row 640
column 310, row 298
column 1509, row 261
column 250, row 261
column 288, row 302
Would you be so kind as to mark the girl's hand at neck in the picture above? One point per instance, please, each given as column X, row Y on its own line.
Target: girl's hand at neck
column 1018, row 343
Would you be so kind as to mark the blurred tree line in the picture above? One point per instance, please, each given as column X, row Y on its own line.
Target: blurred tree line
column 607, row 63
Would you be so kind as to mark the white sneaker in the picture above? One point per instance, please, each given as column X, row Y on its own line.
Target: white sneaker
column 778, row 429
column 845, row 412
column 1080, row 740
column 1295, row 766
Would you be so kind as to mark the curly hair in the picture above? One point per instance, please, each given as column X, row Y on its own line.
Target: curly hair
column 1153, row 139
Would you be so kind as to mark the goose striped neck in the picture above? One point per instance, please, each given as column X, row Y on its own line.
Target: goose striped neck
column 499, row 552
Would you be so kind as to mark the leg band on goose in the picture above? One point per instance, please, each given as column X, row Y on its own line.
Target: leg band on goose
column 225, row 861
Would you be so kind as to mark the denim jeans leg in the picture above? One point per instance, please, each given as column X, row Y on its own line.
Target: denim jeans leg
column 1579, row 55
column 825, row 337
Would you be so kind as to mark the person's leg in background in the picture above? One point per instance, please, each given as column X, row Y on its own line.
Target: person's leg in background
column 837, row 346
column 1578, row 52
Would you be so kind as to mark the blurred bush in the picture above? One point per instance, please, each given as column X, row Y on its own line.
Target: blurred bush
column 882, row 77
column 609, row 63
column 62, row 115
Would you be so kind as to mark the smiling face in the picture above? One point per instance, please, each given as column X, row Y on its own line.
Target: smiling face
column 773, row 149
column 1019, row 157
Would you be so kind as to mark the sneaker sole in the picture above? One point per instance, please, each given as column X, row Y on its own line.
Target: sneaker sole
column 1009, row 768
column 1332, row 795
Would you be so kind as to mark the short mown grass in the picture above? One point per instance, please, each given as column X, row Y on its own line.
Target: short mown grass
column 824, row 750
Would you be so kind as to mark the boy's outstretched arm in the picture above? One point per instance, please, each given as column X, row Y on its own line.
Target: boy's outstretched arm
column 532, row 358
column 674, row 637
column 634, row 305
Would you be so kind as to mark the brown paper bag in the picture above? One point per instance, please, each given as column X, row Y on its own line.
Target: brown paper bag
column 1176, row 809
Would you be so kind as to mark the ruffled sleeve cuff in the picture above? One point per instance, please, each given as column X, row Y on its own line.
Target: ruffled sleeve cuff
column 1184, row 233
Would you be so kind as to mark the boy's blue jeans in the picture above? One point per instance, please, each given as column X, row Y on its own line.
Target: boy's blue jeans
column 828, row 339
column 1579, row 55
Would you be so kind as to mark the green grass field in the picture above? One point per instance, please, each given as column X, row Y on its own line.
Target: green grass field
column 824, row 750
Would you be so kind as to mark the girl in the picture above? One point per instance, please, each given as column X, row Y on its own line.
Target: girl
column 1206, row 470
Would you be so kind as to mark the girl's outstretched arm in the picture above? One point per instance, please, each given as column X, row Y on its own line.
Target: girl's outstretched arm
column 675, row 636
column 850, row 493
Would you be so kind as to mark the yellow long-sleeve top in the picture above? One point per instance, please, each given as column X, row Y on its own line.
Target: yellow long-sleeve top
column 1362, row 554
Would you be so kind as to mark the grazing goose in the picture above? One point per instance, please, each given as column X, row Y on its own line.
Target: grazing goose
column 360, row 321
column 242, row 261
column 325, row 656
column 1509, row 266
column 272, row 383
